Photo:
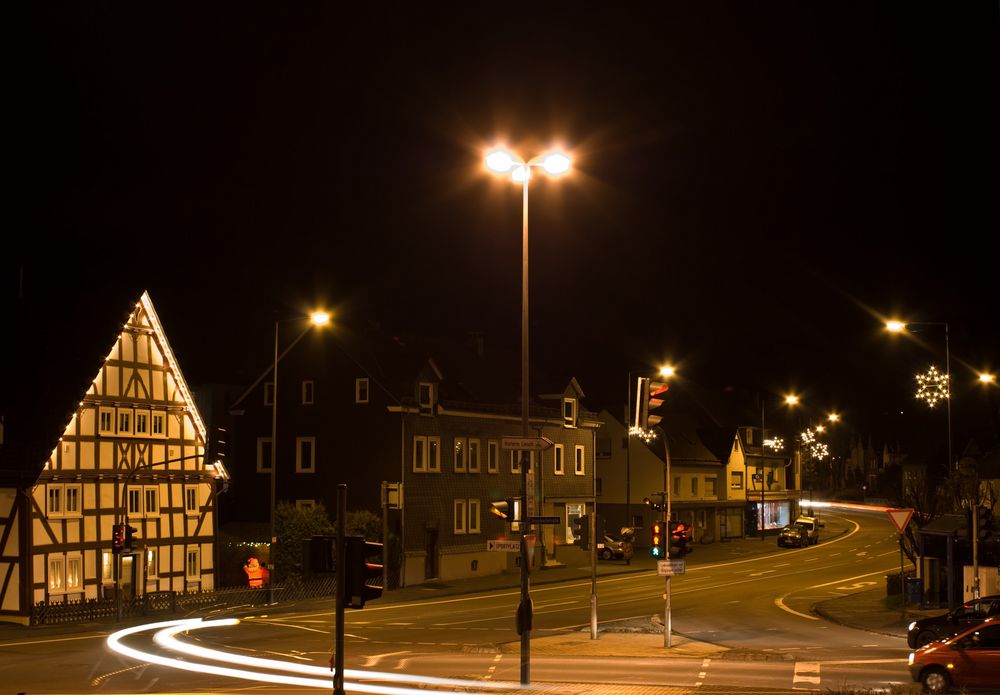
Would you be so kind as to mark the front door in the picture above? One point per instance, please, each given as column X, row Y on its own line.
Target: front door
column 128, row 576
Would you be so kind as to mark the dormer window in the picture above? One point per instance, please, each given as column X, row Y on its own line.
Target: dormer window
column 425, row 397
column 569, row 412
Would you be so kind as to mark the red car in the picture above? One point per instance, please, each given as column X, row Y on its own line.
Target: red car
column 970, row 659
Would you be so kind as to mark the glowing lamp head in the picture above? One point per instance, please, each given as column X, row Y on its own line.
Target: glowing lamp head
column 319, row 318
column 521, row 173
column 500, row 161
column 667, row 370
column 833, row 417
column 556, row 163
column 895, row 326
column 791, row 399
column 986, row 378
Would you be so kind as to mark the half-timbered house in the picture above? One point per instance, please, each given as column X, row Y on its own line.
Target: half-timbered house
column 104, row 432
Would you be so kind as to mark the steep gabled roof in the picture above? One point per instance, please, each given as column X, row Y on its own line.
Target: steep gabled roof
column 60, row 346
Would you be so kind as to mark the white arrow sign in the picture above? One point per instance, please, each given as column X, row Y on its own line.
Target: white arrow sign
column 503, row 546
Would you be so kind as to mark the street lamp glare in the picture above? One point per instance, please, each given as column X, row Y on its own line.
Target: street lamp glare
column 895, row 326
column 667, row 370
column 319, row 318
column 986, row 378
column 521, row 173
column 833, row 417
column 556, row 163
column 791, row 399
column 500, row 161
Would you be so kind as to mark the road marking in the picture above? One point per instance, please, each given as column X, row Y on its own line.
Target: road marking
column 702, row 673
column 493, row 667
column 761, row 573
column 371, row 661
column 49, row 641
column 806, row 675
column 780, row 603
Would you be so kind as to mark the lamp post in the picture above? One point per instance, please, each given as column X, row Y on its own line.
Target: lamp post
column 554, row 163
column 790, row 400
column 316, row 318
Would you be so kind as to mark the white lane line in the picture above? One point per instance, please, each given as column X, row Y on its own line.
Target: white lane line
column 376, row 658
column 702, row 673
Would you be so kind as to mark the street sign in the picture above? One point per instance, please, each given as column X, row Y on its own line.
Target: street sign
column 503, row 546
column 392, row 495
column 544, row 519
column 899, row 518
column 669, row 568
column 525, row 443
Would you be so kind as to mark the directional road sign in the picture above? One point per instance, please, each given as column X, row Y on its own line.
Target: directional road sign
column 503, row 546
column 525, row 443
column 669, row 568
column 899, row 518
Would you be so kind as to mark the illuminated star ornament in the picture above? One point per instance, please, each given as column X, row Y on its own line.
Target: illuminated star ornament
column 775, row 443
column 932, row 386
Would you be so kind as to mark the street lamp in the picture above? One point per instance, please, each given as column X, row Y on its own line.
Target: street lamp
column 896, row 326
column 555, row 164
column 776, row 443
column 316, row 318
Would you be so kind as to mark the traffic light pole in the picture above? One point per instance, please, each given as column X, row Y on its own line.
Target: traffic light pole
column 667, row 638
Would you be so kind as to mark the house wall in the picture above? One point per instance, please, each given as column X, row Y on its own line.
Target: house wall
column 136, row 414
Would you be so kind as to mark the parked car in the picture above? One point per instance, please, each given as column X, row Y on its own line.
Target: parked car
column 970, row 659
column 967, row 615
column 612, row 550
column 805, row 531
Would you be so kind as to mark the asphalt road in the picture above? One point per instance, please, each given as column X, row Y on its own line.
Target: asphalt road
column 744, row 623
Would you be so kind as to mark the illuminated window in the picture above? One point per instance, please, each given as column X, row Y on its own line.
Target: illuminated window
column 308, row 390
column 460, row 450
column 192, row 563
column 159, row 424
column 263, row 454
column 580, row 459
column 151, row 563
column 569, row 412
column 191, row 501
column 473, row 456
column 74, row 573
column 305, row 454
column 460, row 506
column 558, row 462
column 106, row 421
column 57, row 574
column 361, row 391
column 268, row 393
column 107, row 566
column 492, row 456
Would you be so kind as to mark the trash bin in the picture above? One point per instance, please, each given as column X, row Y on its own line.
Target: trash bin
column 914, row 590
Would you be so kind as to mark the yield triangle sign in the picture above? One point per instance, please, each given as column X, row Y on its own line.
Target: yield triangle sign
column 899, row 518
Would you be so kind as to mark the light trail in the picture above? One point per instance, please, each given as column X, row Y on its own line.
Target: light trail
column 166, row 637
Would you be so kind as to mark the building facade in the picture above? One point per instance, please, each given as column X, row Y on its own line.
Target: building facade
column 132, row 449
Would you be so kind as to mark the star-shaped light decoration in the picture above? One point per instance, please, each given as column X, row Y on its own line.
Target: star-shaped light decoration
column 774, row 443
column 932, row 386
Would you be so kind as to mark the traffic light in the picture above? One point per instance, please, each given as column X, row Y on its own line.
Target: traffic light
column 321, row 555
column 657, row 540
column 362, row 579
column 117, row 538
column 649, row 397
column 505, row 509
column 581, row 532
column 129, row 539
column 679, row 539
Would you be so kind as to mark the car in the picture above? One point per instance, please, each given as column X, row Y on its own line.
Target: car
column 612, row 550
column 970, row 613
column 969, row 659
column 805, row 531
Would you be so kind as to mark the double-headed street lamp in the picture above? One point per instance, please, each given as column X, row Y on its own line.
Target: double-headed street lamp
column 316, row 318
column 555, row 164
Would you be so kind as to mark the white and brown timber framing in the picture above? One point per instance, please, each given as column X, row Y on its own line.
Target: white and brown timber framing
column 137, row 422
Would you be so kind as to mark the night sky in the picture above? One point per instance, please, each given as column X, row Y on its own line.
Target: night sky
column 756, row 185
